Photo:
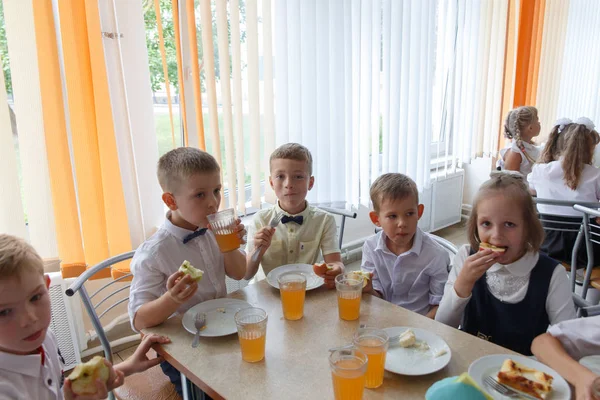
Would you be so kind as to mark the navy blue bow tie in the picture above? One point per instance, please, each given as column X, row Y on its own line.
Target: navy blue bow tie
column 299, row 219
column 194, row 235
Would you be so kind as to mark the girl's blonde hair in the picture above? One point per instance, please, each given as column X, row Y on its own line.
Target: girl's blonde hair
column 580, row 142
column 517, row 120
column 510, row 185
column 555, row 144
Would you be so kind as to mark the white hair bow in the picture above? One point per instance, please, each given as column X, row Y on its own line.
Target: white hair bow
column 587, row 122
column 561, row 123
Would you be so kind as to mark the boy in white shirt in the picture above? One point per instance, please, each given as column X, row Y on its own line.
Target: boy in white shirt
column 304, row 231
column 31, row 366
column 191, row 184
column 409, row 268
column 564, row 344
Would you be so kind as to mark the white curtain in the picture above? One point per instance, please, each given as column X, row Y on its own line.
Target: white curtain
column 580, row 78
column 351, row 76
column 468, row 83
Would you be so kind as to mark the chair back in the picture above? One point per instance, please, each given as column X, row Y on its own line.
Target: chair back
column 108, row 291
column 591, row 238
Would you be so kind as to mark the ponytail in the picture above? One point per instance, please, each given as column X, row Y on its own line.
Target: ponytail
column 578, row 153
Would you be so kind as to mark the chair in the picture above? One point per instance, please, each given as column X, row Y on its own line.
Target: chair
column 149, row 384
column 565, row 226
column 592, row 275
column 344, row 214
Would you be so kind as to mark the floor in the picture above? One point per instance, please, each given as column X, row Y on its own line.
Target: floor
column 456, row 234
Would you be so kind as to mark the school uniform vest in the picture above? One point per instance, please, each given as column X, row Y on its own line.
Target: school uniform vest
column 513, row 326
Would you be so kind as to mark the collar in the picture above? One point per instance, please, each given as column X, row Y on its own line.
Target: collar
column 521, row 267
column 23, row 364
column 179, row 233
column 304, row 212
column 415, row 249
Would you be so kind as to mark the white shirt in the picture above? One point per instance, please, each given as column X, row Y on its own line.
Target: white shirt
column 508, row 283
column 532, row 150
column 548, row 182
column 293, row 243
column 414, row 279
column 161, row 256
column 24, row 377
column 580, row 337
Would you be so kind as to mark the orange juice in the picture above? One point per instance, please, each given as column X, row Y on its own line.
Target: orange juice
column 375, row 350
column 253, row 345
column 349, row 305
column 292, row 299
column 228, row 242
column 348, row 384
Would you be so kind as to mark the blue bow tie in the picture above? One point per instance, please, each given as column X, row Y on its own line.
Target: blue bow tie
column 299, row 219
column 194, row 235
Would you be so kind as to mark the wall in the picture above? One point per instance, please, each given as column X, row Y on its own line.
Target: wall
column 475, row 174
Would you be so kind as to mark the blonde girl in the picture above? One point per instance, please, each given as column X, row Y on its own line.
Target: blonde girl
column 522, row 125
column 572, row 177
column 507, row 297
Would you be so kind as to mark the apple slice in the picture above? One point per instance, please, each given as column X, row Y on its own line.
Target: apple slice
column 360, row 274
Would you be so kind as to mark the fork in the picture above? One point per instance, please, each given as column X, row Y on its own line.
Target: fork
column 199, row 323
column 504, row 390
column 274, row 222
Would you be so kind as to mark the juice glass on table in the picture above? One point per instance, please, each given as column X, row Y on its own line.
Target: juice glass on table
column 374, row 343
column 224, row 228
column 292, row 286
column 349, row 293
column 348, row 369
column 252, row 332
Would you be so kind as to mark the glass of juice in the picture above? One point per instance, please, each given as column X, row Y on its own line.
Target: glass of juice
column 349, row 293
column 223, row 226
column 252, row 332
column 374, row 343
column 348, row 369
column 292, row 286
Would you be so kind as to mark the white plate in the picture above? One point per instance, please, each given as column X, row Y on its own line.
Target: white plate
column 412, row 361
column 592, row 363
column 312, row 280
column 490, row 365
column 219, row 316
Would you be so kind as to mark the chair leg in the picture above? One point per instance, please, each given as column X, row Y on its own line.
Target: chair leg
column 184, row 387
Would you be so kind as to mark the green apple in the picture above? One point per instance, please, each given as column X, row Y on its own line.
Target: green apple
column 84, row 376
column 188, row 269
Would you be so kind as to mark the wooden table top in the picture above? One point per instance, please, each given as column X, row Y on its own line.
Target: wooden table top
column 296, row 361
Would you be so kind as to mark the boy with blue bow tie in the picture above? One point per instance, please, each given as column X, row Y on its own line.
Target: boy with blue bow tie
column 191, row 182
column 305, row 231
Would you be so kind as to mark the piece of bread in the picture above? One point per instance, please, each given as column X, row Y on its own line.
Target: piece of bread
column 495, row 249
column 524, row 379
column 407, row 338
column 320, row 269
column 358, row 274
column 188, row 269
column 84, row 376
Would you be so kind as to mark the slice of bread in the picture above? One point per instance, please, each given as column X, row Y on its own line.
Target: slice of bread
column 496, row 249
column 524, row 379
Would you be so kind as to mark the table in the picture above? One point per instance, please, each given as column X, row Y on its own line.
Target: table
column 296, row 364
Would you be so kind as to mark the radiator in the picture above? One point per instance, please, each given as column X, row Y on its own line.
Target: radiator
column 66, row 322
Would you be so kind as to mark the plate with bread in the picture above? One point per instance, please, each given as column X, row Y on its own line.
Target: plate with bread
column 520, row 374
column 313, row 281
column 414, row 351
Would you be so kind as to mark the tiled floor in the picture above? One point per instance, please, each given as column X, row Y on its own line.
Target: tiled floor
column 456, row 234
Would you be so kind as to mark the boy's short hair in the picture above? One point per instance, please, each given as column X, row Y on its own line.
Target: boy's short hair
column 293, row 151
column 510, row 185
column 179, row 164
column 392, row 186
column 16, row 256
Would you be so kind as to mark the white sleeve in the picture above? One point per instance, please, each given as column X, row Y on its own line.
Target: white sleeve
column 531, row 178
column 148, row 284
column 559, row 303
column 580, row 337
column 438, row 278
column 452, row 305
